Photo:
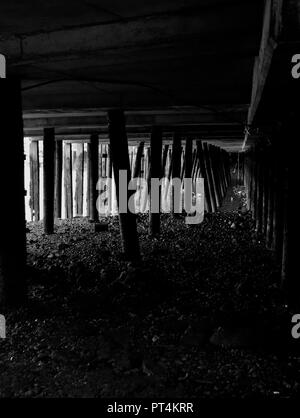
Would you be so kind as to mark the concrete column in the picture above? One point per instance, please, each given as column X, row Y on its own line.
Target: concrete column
column 93, row 175
column 34, row 180
column 12, row 209
column 49, row 147
column 68, row 180
column 58, row 177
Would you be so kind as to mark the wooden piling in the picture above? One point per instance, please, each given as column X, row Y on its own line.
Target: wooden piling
column 93, row 175
column 188, row 158
column 79, row 167
column 176, row 170
column 155, row 172
column 164, row 159
column 211, row 176
column 210, row 203
column 34, row 180
column 68, row 183
column 49, row 147
column 12, row 237
column 138, row 160
column 58, row 177
column 120, row 161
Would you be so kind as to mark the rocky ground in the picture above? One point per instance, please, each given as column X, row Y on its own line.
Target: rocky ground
column 200, row 316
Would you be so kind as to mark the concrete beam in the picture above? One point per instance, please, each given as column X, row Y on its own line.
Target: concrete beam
column 269, row 41
column 177, row 118
column 153, row 30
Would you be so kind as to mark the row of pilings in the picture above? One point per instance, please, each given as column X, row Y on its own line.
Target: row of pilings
column 266, row 177
column 197, row 159
column 73, row 173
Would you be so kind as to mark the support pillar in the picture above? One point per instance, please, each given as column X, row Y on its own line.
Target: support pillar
column 93, row 175
column 176, row 169
column 79, row 167
column 210, row 205
column 188, row 158
column 120, row 161
column 49, row 146
column 12, row 236
column 58, row 177
column 156, row 172
column 34, row 181
column 211, row 177
column 68, row 181
column 138, row 160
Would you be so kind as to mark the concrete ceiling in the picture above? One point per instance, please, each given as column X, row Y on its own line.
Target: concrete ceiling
column 191, row 58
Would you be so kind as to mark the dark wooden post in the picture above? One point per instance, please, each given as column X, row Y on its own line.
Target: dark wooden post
column 109, row 174
column 147, row 178
column 269, row 228
column 164, row 159
column 215, row 169
column 58, row 177
column 87, row 164
column 252, row 180
column 278, row 208
column 79, row 167
column 93, row 174
column 12, row 235
column 266, row 192
column 259, row 212
column 176, row 169
column 188, row 158
column 221, row 171
column 156, row 172
column 120, row 161
column 34, row 180
column 285, row 262
column 68, row 182
column 49, row 146
column 138, row 160
column 211, row 177
column 210, row 205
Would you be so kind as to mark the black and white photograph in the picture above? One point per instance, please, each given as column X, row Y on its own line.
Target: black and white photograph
column 145, row 229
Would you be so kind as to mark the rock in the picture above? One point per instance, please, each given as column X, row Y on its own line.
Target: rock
column 244, row 210
column 193, row 337
column 101, row 227
column 232, row 337
column 62, row 246
column 105, row 253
